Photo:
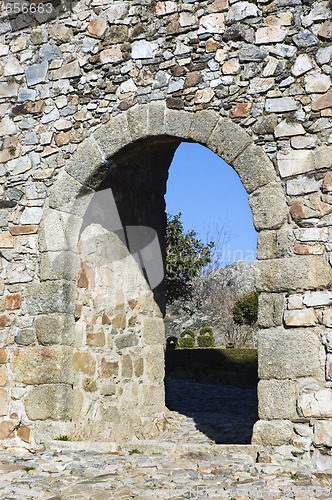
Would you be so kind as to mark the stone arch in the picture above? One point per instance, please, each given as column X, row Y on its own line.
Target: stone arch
column 276, row 272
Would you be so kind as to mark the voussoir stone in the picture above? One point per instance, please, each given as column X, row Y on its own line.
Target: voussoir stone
column 254, row 168
column 228, row 140
column 111, row 137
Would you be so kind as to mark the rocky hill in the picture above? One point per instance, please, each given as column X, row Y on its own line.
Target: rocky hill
column 212, row 305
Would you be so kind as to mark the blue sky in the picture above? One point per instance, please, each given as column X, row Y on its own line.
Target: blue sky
column 208, row 192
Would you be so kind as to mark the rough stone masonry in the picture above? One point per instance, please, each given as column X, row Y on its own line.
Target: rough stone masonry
column 101, row 95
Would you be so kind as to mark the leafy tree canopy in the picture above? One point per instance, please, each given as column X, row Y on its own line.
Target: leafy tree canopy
column 186, row 256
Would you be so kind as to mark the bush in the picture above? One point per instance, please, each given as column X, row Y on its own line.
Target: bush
column 245, row 309
column 205, row 337
column 205, row 341
column 187, row 339
column 172, row 343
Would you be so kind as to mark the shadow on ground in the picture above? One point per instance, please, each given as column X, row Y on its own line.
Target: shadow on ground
column 224, row 413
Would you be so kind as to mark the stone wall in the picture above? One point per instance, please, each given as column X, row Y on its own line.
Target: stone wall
column 252, row 82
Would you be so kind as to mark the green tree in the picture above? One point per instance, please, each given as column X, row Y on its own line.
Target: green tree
column 246, row 309
column 186, row 255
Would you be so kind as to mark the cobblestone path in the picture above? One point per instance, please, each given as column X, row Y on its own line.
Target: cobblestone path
column 183, row 463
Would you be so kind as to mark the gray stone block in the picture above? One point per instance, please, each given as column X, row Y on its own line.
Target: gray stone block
column 58, row 231
column 202, row 125
column 273, row 432
column 36, row 73
column 156, row 118
column 228, row 140
column 50, row 297
column 137, row 118
column 69, row 195
column 153, row 331
column 289, row 354
column 277, row 399
column 59, row 265
column 270, row 309
column 275, row 244
column 268, row 206
column 178, row 123
column 43, row 365
column 52, row 402
column 55, row 329
column 111, row 137
column 254, row 168
column 88, row 164
column 304, row 272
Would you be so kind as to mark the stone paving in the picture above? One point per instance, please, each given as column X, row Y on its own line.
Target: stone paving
column 182, row 463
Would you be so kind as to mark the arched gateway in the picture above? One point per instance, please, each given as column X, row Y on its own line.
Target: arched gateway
column 82, row 334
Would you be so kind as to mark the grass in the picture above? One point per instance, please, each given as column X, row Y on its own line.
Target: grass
column 27, row 469
column 135, row 450
column 215, row 365
column 63, row 438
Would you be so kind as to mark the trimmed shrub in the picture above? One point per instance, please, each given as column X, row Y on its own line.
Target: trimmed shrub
column 205, row 337
column 246, row 309
column 187, row 339
column 172, row 343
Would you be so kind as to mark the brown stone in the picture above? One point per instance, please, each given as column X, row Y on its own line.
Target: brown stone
column 325, row 101
column 70, row 70
column 174, row 103
column 327, row 318
column 33, row 108
column 4, row 321
column 139, row 367
column 28, row 229
column 126, row 104
column 217, row 6
column 240, row 110
column 326, row 30
column 117, row 33
column 89, row 385
column 3, row 402
column 178, row 71
column 6, row 429
column 105, row 320
column 109, row 368
column 119, row 321
column 23, row 432
column 296, row 211
column 6, row 240
column 127, row 366
column 173, row 26
column 95, row 339
column 301, row 317
column 3, row 355
column 3, row 375
column 74, row 135
column 84, row 362
column 192, row 79
column 97, row 27
column 82, row 281
column 304, row 249
column 327, row 183
column 211, row 45
column 110, row 55
column 13, row 301
column 62, row 33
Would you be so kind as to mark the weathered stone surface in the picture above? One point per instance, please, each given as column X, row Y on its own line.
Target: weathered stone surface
column 36, row 73
column 6, row 241
column 109, row 368
column 50, row 297
column 301, row 185
column 70, row 70
column 277, row 399
column 49, row 401
column 6, row 429
column 228, row 140
column 302, row 65
column 301, row 317
column 295, row 162
column 55, row 329
column 270, row 309
column 286, row 129
column 323, row 433
column 268, row 207
column 43, row 365
column 280, row 105
column 97, row 27
column 289, row 354
column 143, row 49
column 84, row 362
column 293, row 273
column 58, row 231
column 154, row 364
column 177, row 123
column 325, row 101
column 23, row 432
column 153, row 331
column 110, row 137
column 270, row 34
column 316, row 404
column 254, row 168
column 124, row 341
column 274, row 433
column 3, row 402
